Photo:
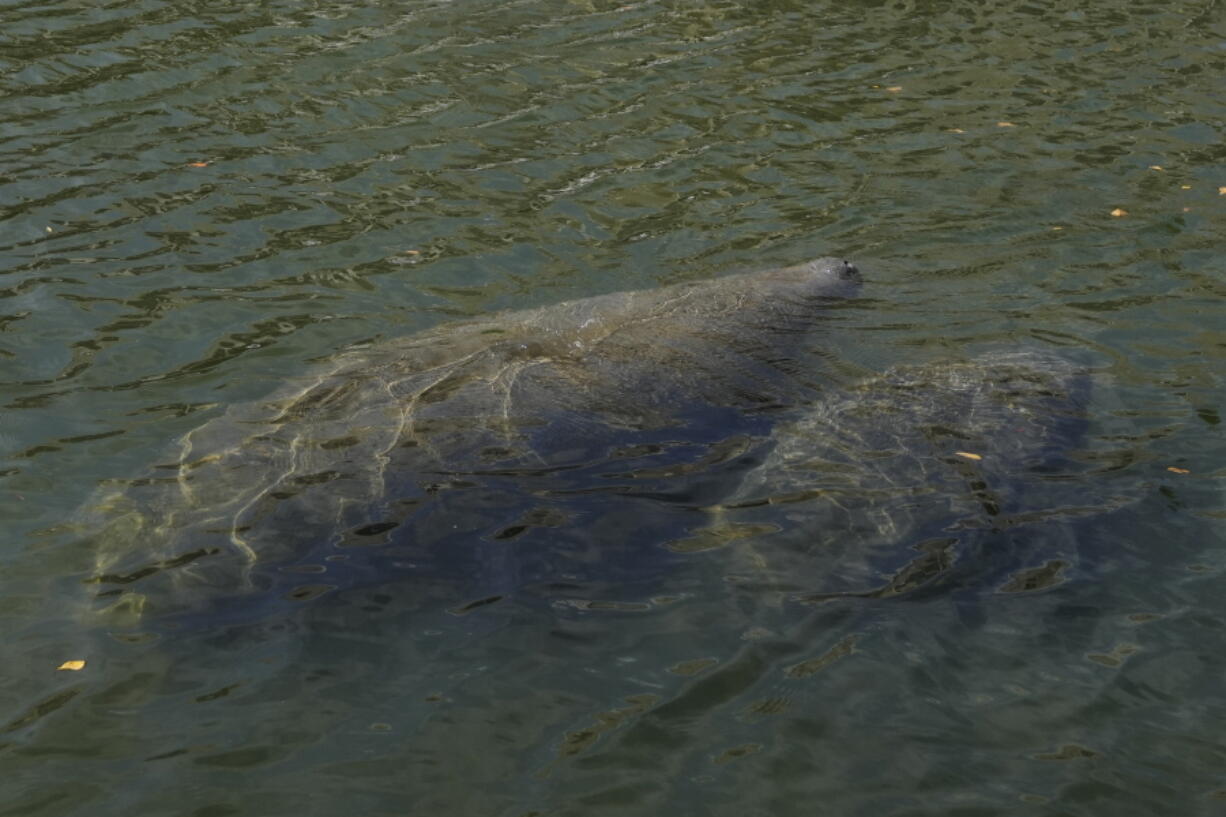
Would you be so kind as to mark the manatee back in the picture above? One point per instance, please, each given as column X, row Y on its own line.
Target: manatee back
column 884, row 486
column 433, row 441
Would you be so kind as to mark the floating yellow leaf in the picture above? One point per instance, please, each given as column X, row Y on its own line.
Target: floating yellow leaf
column 72, row 665
column 1221, row 191
column 1057, row 229
column 967, row 455
column 1185, row 187
column 1119, row 212
column 197, row 164
column 1005, row 125
column 1156, row 167
column 411, row 252
column 956, row 130
column 1175, row 470
column 894, row 89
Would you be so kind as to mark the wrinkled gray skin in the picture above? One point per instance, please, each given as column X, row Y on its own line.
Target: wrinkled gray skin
column 366, row 449
column 885, row 488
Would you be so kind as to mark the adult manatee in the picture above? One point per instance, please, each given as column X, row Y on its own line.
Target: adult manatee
column 438, row 446
column 925, row 477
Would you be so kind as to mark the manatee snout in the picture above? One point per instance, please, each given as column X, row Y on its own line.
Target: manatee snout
column 833, row 277
column 837, row 269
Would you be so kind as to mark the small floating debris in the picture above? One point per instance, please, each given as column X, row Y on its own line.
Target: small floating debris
column 1175, row 470
column 1119, row 212
column 967, row 455
column 72, row 666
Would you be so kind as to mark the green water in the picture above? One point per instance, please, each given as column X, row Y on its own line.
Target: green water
column 199, row 200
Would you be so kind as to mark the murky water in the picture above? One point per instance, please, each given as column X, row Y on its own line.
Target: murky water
column 200, row 203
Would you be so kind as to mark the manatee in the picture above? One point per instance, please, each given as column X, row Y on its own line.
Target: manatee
column 923, row 477
column 429, row 448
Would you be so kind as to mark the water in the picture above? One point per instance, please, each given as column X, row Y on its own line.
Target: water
column 197, row 203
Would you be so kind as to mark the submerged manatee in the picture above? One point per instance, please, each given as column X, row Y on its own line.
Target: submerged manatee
column 924, row 476
column 434, row 445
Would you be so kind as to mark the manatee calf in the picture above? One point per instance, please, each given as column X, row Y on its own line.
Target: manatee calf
column 923, row 476
column 437, row 446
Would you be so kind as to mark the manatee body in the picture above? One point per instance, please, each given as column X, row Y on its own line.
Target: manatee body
column 921, row 477
column 434, row 446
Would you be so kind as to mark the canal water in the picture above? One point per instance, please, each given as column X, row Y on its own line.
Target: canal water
column 975, row 569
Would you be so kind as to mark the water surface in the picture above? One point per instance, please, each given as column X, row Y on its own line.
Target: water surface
column 197, row 202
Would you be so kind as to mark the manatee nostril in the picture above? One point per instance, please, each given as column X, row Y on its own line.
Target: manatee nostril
column 849, row 270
